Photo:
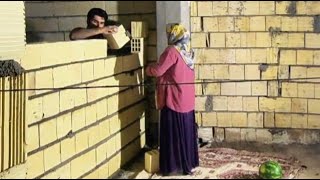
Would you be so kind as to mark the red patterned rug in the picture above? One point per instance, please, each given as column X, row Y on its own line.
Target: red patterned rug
column 226, row 163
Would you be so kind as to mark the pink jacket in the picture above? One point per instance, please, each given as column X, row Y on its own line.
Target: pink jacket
column 172, row 69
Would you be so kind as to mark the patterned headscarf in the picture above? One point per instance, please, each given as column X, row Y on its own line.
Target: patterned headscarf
column 180, row 38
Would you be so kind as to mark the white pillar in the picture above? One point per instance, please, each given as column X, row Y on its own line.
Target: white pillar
column 170, row 12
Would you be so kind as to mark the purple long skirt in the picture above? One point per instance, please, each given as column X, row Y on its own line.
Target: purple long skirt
column 178, row 142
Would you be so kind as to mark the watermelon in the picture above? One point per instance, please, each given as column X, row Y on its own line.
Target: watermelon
column 270, row 170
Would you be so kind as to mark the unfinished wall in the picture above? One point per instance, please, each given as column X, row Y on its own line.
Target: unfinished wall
column 76, row 129
column 52, row 21
column 259, row 64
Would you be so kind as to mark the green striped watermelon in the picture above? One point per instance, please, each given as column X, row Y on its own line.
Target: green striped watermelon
column 270, row 170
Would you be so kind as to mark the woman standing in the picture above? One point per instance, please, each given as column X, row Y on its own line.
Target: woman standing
column 176, row 99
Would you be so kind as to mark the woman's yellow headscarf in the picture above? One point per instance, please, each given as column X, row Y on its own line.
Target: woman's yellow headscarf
column 180, row 38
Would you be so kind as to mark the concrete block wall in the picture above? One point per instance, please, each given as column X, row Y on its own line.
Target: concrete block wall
column 76, row 130
column 259, row 65
column 52, row 21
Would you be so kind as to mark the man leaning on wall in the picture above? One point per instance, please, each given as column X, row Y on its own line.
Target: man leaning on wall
column 96, row 26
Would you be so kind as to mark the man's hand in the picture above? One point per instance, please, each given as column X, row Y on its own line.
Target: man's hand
column 109, row 30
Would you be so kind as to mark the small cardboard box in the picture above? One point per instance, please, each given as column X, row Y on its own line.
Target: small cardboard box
column 151, row 159
column 119, row 39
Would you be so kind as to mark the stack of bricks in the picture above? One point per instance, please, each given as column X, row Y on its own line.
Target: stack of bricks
column 77, row 127
column 259, row 67
column 12, row 121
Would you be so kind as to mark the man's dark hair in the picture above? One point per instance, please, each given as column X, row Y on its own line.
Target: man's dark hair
column 98, row 12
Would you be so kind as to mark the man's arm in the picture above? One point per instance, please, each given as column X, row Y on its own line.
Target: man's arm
column 83, row 33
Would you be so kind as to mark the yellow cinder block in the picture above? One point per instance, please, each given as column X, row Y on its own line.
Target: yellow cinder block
column 199, row 39
column 195, row 24
column 273, row 88
column 243, row 56
column 273, row 55
column 226, row 24
column 119, row 39
column 266, row 104
column 87, row 71
column 233, row 39
column 269, row 119
column 283, row 72
column 251, row 39
column 209, row 119
column 313, row 106
column 239, row 119
column 98, row 69
column 220, row 103
column 263, row 39
column 257, row 23
column 270, row 73
column 299, row 121
column 259, row 88
column 250, row 7
column 317, row 90
column 243, row 88
column 298, row 72
column 299, row 105
column 78, row 119
column 313, row 121
column 227, row 56
column 224, row 119
column 282, row 6
column 194, row 8
column 35, row 165
column 305, row 24
column 288, row 57
column 82, row 141
column 283, row 105
column 64, row 125
column 199, row 103
column 33, row 138
column 289, row 24
column 228, row 88
column 220, row 7
column 94, row 135
column 306, row 90
column 68, row 148
column 234, row 103
column 242, row 24
column 252, row 72
column 273, row 22
column 267, row 8
column 151, row 159
column 236, row 72
column 289, row 89
column 250, row 104
column 205, row 8
column 305, row 57
column 217, row 40
column 296, row 40
column 44, row 79
column 221, row 72
column 139, row 29
column 255, row 120
column 52, row 156
column 48, row 132
column 206, row 72
column 259, row 55
column 283, row 121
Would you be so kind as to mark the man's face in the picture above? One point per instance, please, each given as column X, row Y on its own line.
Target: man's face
column 97, row 21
